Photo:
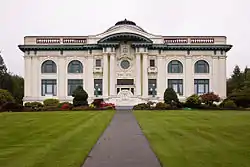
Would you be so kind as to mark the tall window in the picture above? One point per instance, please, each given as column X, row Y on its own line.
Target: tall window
column 73, row 84
column 48, row 66
column 98, row 63
column 201, row 86
column 152, row 63
column 98, row 87
column 48, row 87
column 177, row 85
column 201, row 66
column 152, row 87
column 75, row 66
column 175, row 66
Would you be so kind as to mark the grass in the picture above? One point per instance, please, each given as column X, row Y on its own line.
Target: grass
column 49, row 139
column 197, row 138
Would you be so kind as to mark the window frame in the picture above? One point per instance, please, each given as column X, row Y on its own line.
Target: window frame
column 73, row 82
column 201, row 67
column 178, row 82
column 150, row 85
column 51, row 70
column 174, row 63
column 45, row 83
column 205, row 83
column 73, row 63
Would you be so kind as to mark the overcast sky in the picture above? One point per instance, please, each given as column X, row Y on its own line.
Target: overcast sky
column 229, row 18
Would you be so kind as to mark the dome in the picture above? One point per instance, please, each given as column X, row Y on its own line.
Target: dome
column 127, row 22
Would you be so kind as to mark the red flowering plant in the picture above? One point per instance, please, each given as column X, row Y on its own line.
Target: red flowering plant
column 209, row 98
column 104, row 105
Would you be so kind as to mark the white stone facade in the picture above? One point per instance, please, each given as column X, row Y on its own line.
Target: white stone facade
column 125, row 58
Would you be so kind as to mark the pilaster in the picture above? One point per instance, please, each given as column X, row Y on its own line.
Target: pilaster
column 215, row 75
column 105, row 75
column 61, row 82
column 222, row 79
column 188, row 83
column 161, row 76
column 89, row 79
column 138, row 74
column 112, row 74
column 27, row 76
column 145, row 75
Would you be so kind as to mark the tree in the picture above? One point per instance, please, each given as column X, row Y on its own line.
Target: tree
column 209, row 98
column 3, row 68
column 170, row 96
column 80, row 97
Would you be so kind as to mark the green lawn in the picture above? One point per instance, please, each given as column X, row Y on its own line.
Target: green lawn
column 198, row 138
column 49, row 139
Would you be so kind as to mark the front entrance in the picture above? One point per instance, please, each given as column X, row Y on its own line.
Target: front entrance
column 125, row 84
column 121, row 88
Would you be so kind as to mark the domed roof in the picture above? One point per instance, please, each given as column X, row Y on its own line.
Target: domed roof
column 125, row 22
column 128, row 22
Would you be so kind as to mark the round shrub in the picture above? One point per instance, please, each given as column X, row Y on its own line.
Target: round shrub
column 142, row 106
column 51, row 102
column 228, row 104
column 162, row 106
column 193, row 101
column 170, row 96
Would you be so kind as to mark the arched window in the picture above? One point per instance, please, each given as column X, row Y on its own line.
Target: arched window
column 48, row 66
column 201, row 66
column 75, row 66
column 175, row 66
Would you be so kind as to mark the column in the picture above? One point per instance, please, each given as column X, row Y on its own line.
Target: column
column 138, row 74
column 223, row 77
column 105, row 76
column 112, row 74
column 188, row 83
column 89, row 77
column 161, row 76
column 145, row 75
column 61, row 79
column 27, row 76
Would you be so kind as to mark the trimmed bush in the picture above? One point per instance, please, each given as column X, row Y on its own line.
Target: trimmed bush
column 80, row 97
column 51, row 102
column 193, row 101
column 170, row 96
column 5, row 97
column 33, row 106
column 141, row 106
column 162, row 106
column 228, row 104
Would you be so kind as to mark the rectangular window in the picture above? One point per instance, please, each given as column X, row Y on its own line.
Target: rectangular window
column 152, row 87
column 152, row 63
column 177, row 85
column 201, row 86
column 125, row 82
column 98, row 87
column 48, row 87
column 73, row 84
column 98, row 63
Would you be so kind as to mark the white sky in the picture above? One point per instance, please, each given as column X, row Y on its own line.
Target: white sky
column 88, row 17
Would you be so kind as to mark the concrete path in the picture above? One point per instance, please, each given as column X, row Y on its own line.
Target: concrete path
column 122, row 145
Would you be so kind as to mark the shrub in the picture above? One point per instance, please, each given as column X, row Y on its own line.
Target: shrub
column 228, row 104
column 209, row 98
column 65, row 106
column 80, row 97
column 11, row 106
column 97, row 102
column 5, row 97
column 51, row 102
column 170, row 96
column 162, row 106
column 241, row 98
column 193, row 101
column 141, row 106
column 33, row 106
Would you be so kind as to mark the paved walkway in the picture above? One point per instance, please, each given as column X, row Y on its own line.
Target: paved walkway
column 122, row 145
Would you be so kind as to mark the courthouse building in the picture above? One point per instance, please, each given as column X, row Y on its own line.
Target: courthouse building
column 125, row 62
